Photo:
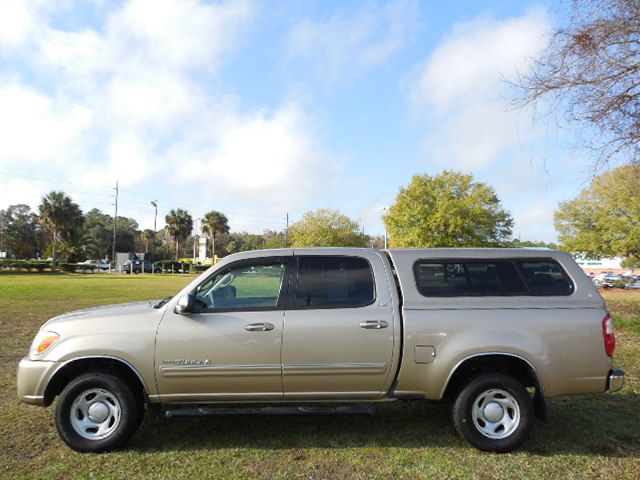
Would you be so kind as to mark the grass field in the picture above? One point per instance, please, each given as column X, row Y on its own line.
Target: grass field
column 594, row 436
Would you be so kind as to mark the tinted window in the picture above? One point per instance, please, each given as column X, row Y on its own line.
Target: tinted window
column 334, row 282
column 544, row 277
column 465, row 278
column 251, row 286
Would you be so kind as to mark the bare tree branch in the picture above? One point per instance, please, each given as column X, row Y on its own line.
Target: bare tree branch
column 591, row 69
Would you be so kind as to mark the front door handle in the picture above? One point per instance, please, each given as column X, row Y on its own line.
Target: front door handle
column 374, row 324
column 259, row 327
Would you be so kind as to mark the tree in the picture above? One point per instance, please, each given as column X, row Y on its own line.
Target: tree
column 515, row 243
column 326, row 228
column 179, row 226
column 604, row 219
column 447, row 210
column 147, row 236
column 214, row 223
column 4, row 223
column 273, row 239
column 60, row 216
column 21, row 231
column 591, row 68
column 99, row 232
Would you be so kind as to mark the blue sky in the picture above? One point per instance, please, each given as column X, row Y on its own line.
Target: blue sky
column 259, row 109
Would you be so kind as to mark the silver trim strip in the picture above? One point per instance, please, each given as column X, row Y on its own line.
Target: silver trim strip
column 221, row 371
column 335, row 369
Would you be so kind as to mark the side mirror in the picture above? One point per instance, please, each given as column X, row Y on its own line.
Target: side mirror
column 185, row 304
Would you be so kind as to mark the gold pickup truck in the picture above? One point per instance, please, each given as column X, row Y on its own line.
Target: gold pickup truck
column 495, row 331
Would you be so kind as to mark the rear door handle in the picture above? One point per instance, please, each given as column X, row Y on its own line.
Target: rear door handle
column 374, row 324
column 259, row 327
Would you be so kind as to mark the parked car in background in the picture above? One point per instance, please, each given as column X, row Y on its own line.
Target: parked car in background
column 98, row 264
column 103, row 264
column 136, row 265
column 634, row 285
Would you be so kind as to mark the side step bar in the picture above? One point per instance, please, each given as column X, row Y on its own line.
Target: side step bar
column 269, row 410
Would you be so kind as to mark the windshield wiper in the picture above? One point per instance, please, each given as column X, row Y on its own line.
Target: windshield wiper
column 162, row 302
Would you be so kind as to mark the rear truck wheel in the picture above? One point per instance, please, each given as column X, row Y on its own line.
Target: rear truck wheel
column 493, row 412
column 97, row 412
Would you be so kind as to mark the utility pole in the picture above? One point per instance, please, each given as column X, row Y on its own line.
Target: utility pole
column 115, row 221
column 286, row 232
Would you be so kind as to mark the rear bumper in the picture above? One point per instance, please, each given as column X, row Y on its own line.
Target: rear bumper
column 615, row 380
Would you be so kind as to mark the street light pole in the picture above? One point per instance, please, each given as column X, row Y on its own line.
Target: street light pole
column 195, row 239
column 385, row 210
column 154, row 204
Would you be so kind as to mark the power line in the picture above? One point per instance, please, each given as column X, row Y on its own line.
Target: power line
column 145, row 197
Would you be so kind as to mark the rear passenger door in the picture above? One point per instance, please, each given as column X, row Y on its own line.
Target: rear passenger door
column 339, row 329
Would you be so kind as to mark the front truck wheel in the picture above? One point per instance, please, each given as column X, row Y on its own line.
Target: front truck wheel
column 493, row 412
column 97, row 412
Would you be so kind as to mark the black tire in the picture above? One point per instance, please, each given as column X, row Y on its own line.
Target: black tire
column 100, row 394
column 496, row 398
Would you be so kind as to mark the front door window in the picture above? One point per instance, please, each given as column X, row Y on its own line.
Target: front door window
column 254, row 286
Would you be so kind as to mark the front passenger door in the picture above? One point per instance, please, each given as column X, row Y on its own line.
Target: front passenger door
column 229, row 348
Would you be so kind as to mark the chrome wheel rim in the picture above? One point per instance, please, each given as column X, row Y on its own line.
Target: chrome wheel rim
column 95, row 414
column 495, row 413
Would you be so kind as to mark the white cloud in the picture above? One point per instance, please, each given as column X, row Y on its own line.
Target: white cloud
column 36, row 128
column 134, row 99
column 17, row 22
column 462, row 88
column 181, row 34
column 266, row 159
column 535, row 222
column 347, row 45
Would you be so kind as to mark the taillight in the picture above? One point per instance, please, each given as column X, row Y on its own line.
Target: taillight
column 609, row 336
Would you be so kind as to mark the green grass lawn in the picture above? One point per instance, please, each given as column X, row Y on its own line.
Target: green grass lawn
column 593, row 436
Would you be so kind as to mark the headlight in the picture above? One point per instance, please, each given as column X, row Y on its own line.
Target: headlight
column 43, row 341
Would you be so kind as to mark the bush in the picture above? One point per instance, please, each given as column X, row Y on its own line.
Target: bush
column 28, row 265
column 68, row 267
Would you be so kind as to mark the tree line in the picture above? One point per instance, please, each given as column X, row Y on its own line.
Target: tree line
column 446, row 210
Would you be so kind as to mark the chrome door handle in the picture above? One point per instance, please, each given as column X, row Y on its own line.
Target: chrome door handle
column 259, row 327
column 374, row 324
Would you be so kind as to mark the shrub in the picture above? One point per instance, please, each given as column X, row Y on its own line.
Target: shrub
column 68, row 267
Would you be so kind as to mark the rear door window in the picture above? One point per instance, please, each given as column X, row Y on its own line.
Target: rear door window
column 334, row 282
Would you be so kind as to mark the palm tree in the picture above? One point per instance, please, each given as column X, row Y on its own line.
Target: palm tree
column 146, row 236
column 213, row 223
column 179, row 226
column 60, row 216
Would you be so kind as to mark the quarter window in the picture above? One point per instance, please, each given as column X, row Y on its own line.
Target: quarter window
column 251, row 286
column 545, row 277
column 334, row 282
column 452, row 278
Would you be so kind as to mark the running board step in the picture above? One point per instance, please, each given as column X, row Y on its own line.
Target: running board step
column 277, row 410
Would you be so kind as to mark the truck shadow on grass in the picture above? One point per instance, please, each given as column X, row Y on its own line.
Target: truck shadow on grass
column 602, row 425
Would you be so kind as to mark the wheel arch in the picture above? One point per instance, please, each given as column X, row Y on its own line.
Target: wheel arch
column 99, row 363
column 502, row 362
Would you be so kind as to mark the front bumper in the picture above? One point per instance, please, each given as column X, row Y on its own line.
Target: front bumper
column 33, row 378
column 615, row 380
